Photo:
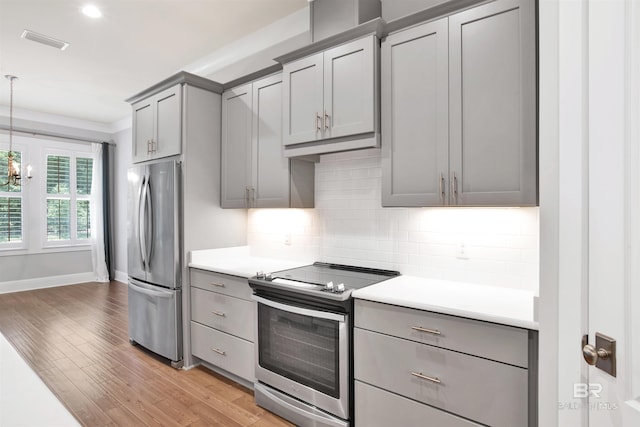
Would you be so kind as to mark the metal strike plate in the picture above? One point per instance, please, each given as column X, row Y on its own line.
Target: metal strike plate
column 608, row 344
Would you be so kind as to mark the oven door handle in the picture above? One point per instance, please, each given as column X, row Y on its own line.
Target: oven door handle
column 299, row 310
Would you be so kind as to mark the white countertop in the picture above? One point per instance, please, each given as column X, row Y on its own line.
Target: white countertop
column 489, row 303
column 492, row 304
column 237, row 261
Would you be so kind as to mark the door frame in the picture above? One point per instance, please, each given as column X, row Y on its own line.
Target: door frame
column 563, row 145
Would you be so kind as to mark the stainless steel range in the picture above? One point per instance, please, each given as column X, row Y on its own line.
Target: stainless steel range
column 304, row 345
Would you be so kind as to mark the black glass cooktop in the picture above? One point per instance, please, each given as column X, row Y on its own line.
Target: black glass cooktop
column 319, row 281
column 322, row 273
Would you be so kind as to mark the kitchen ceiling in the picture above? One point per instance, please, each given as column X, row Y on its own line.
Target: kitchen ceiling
column 135, row 44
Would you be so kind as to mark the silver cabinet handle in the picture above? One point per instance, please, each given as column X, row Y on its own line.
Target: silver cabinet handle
column 220, row 352
column 219, row 313
column 327, row 119
column 220, row 285
column 148, row 146
column 246, row 197
column 454, row 187
column 252, row 198
column 426, row 377
column 441, row 188
column 427, row 330
column 318, row 122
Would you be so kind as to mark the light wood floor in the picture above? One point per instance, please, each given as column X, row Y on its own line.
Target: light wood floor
column 75, row 338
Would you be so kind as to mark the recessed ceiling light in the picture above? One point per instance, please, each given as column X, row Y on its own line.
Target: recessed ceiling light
column 91, row 11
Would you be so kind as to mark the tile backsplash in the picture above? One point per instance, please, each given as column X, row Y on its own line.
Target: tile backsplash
column 490, row 246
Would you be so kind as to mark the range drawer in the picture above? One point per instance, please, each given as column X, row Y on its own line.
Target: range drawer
column 230, row 353
column 222, row 283
column 492, row 341
column 232, row 315
column 482, row 390
column 379, row 408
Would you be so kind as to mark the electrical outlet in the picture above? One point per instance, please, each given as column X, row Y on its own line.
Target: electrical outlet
column 462, row 252
column 287, row 239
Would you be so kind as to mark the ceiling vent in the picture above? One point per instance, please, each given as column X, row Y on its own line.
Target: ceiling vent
column 41, row 38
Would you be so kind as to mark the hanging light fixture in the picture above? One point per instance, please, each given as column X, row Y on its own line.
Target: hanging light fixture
column 13, row 175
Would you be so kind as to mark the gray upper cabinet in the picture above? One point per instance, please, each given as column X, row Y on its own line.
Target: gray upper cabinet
column 493, row 139
column 415, row 116
column 479, row 80
column 270, row 181
column 255, row 173
column 157, row 125
column 331, row 97
column 236, row 146
column 303, row 107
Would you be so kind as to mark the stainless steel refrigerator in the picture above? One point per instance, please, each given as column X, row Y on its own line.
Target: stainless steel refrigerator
column 153, row 240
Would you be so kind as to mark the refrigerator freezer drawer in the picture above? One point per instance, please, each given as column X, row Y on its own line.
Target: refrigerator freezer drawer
column 155, row 319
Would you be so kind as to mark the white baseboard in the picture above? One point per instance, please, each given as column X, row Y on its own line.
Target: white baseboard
column 46, row 282
column 121, row 277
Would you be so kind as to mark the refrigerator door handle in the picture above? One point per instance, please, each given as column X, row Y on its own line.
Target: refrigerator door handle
column 148, row 222
column 141, row 222
column 150, row 292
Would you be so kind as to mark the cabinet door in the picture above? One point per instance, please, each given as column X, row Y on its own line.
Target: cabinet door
column 168, row 120
column 493, row 104
column 270, row 167
column 236, row 147
column 302, row 107
column 349, row 79
column 415, row 116
column 142, row 130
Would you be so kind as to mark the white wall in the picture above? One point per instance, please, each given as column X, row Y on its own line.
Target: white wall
column 492, row 246
column 122, row 162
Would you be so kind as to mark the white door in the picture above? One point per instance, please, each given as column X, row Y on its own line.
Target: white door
column 614, row 209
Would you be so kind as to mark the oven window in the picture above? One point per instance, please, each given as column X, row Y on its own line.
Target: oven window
column 301, row 348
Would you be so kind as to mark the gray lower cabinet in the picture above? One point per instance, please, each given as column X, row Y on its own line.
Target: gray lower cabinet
column 377, row 407
column 459, row 123
column 223, row 322
column 255, row 173
column 412, row 363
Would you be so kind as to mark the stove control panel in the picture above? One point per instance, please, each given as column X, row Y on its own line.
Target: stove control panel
column 261, row 275
column 336, row 289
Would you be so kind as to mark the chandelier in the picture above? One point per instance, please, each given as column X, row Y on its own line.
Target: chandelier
column 13, row 167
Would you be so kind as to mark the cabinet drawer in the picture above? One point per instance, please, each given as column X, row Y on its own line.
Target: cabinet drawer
column 232, row 354
column 232, row 315
column 222, row 283
column 482, row 390
column 492, row 341
column 379, row 408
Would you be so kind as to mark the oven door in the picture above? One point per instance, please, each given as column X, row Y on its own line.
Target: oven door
column 304, row 352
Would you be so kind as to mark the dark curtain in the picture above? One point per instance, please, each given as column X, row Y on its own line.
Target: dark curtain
column 107, row 206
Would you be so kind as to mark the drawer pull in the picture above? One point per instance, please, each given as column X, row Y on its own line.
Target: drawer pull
column 427, row 330
column 220, row 352
column 425, row 377
column 218, row 313
column 220, row 285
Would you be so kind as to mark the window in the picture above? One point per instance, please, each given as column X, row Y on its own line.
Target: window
column 10, row 204
column 69, row 180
